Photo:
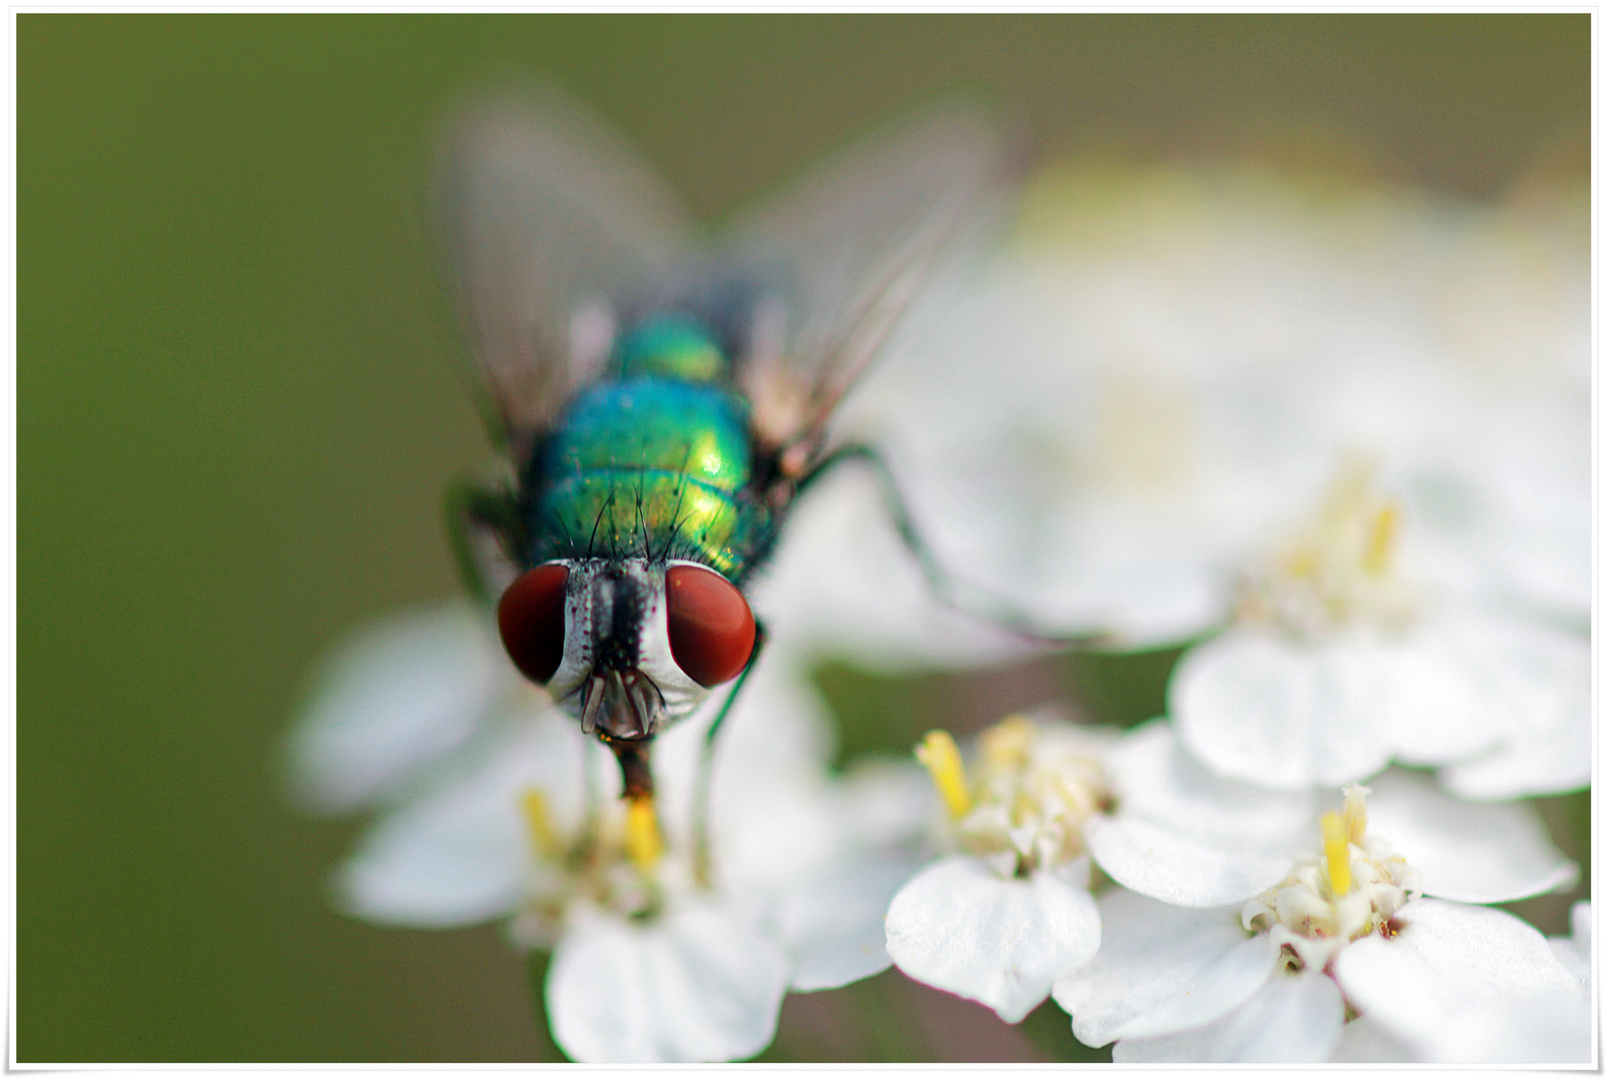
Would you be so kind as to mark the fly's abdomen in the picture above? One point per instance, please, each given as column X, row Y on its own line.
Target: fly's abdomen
column 649, row 466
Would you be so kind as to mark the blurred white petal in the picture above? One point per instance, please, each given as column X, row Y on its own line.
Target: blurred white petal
column 843, row 582
column 1574, row 951
column 398, row 696
column 1481, row 853
column 1257, row 706
column 1122, row 406
column 1364, row 1042
column 834, row 925
column 1547, row 748
column 886, row 802
column 960, row 927
column 699, row 984
column 461, row 853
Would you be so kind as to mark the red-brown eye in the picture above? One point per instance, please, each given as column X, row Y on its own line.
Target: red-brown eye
column 530, row 617
column 711, row 628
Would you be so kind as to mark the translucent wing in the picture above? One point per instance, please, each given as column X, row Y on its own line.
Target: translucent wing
column 549, row 216
column 845, row 249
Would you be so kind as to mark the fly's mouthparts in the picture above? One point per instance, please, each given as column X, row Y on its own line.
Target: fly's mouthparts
column 643, row 705
column 592, row 698
column 626, row 704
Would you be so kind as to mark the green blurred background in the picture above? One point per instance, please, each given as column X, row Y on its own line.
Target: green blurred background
column 238, row 401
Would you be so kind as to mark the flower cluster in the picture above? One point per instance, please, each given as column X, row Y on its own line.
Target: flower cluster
column 1296, row 468
column 1330, row 442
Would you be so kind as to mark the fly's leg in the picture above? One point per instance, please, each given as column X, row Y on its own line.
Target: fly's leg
column 979, row 602
column 476, row 517
column 702, row 856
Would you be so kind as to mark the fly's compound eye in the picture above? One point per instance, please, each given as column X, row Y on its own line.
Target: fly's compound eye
column 530, row 617
column 711, row 628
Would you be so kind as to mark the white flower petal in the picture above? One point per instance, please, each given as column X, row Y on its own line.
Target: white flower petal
column 843, row 580
column 834, row 925
column 1184, row 835
column 1463, row 983
column 1294, row 1018
column 700, row 984
column 1157, row 861
column 1548, row 763
column 886, row 803
column 1257, row 708
column 962, row 928
column 1459, row 660
column 1574, row 951
column 399, row 695
column 1480, row 853
column 1263, row 709
column 771, row 809
column 1162, row 969
column 450, row 861
column 461, row 853
column 1363, row 1041
column 1548, row 691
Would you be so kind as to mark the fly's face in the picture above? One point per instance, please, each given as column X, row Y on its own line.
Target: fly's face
column 627, row 647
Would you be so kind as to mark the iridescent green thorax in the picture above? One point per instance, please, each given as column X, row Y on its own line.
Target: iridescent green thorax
column 672, row 345
column 651, row 464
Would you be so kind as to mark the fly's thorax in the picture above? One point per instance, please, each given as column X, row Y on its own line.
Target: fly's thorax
column 618, row 674
column 673, row 344
column 653, row 466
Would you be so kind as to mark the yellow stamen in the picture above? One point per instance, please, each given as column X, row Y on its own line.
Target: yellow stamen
column 1301, row 561
column 643, row 841
column 540, row 824
column 1337, row 850
column 1381, row 541
column 1354, row 812
column 1006, row 745
column 941, row 756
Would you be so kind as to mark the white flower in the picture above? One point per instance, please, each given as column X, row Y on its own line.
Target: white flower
column 1344, row 655
column 1137, row 394
column 1009, row 910
column 517, row 816
column 1349, row 423
column 396, row 699
column 1347, row 934
column 1574, row 951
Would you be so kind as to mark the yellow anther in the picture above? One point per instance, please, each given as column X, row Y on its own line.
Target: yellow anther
column 540, row 824
column 941, row 756
column 1381, row 540
column 1024, row 808
column 1354, row 812
column 1006, row 745
column 642, row 839
column 1337, row 852
column 1301, row 561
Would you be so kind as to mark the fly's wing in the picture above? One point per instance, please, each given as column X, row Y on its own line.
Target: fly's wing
column 844, row 250
column 549, row 216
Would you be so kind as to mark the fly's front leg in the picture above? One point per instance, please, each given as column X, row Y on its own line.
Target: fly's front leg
column 478, row 520
column 702, row 855
column 978, row 603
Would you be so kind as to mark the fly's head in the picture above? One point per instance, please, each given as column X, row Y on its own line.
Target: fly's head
column 626, row 646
